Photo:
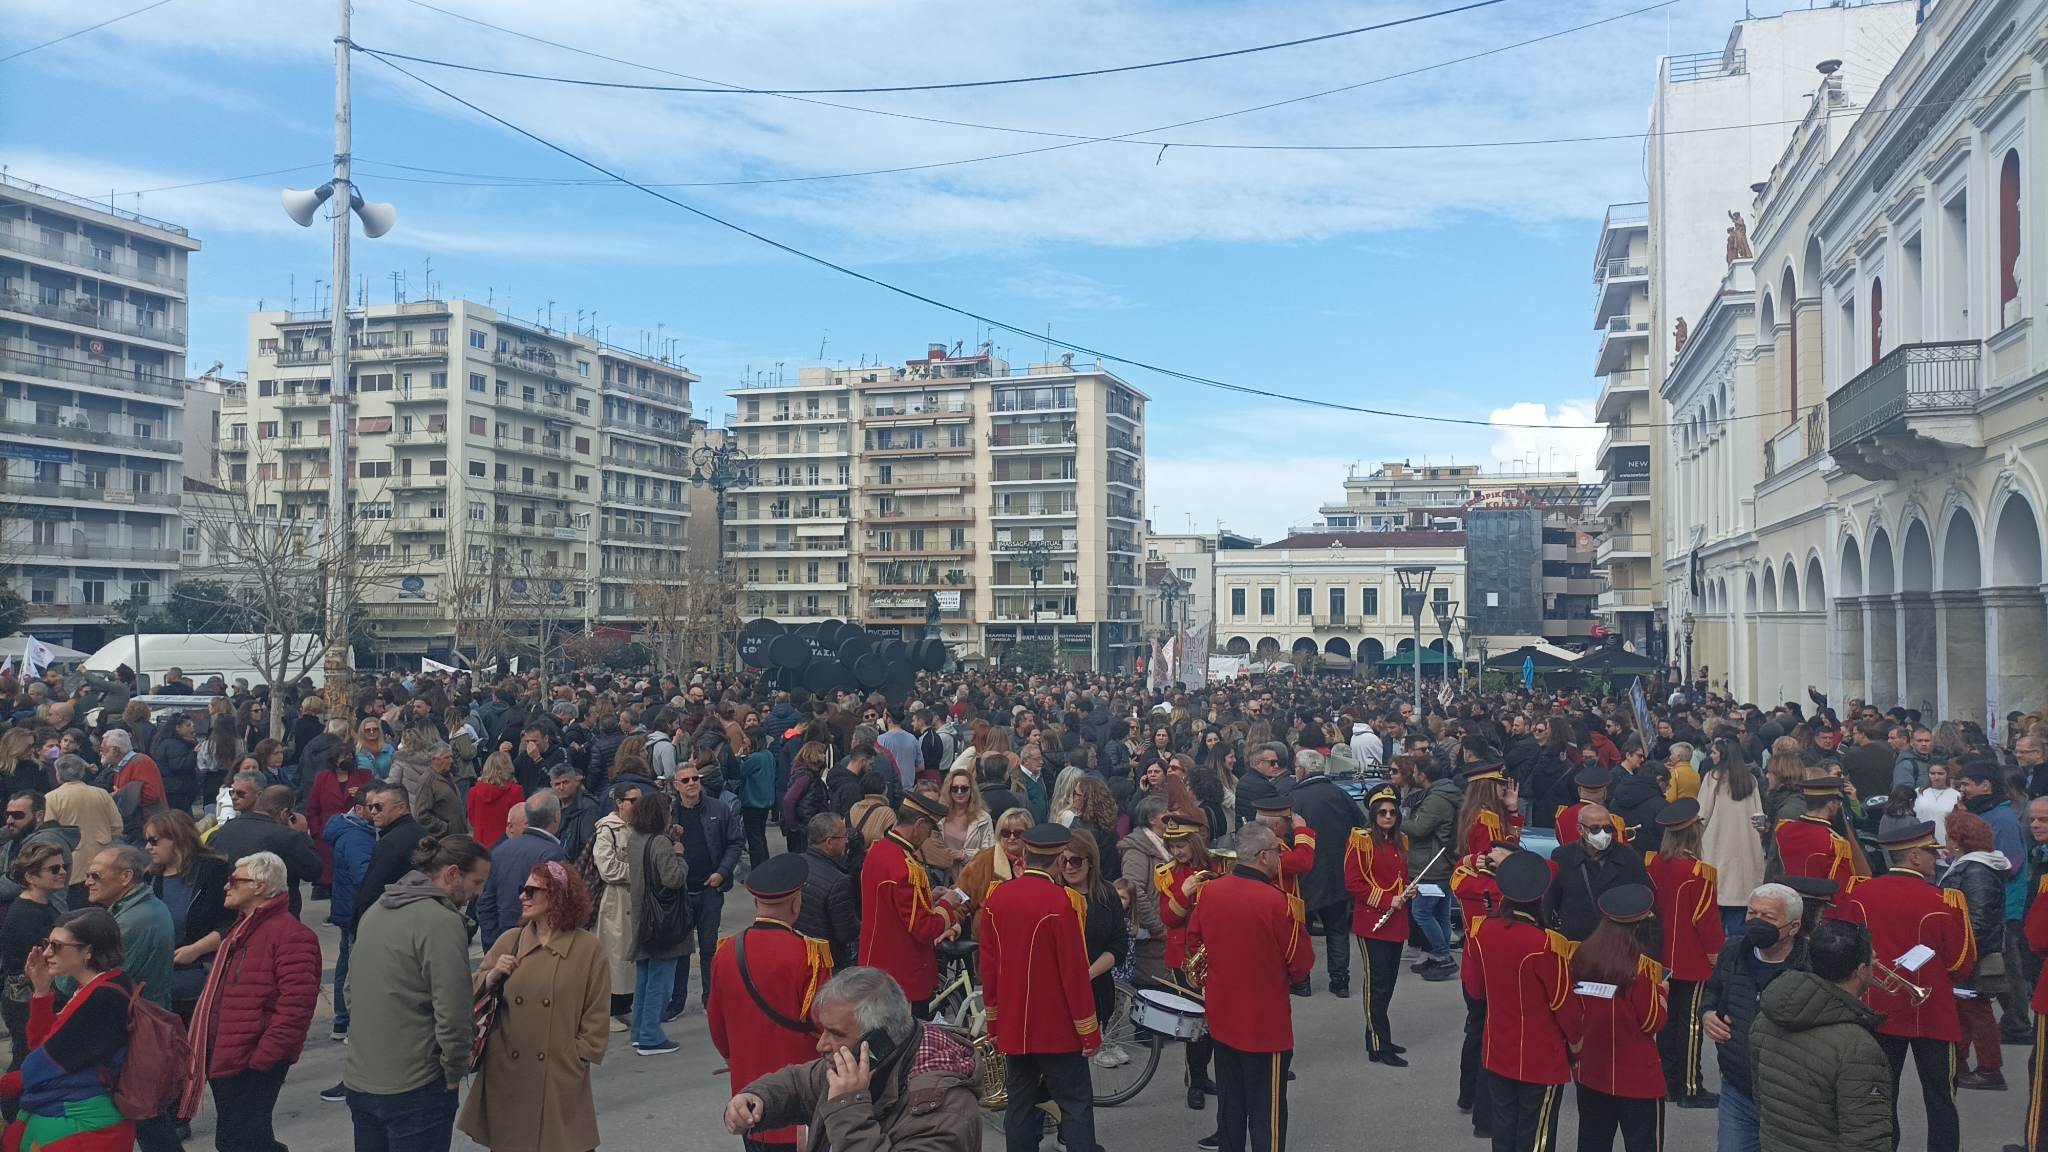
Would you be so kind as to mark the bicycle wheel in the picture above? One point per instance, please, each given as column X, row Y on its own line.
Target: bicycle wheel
column 1138, row 1049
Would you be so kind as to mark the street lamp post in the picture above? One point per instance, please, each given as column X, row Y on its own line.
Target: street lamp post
column 1414, row 590
column 1464, row 647
column 720, row 467
column 302, row 207
column 1446, row 615
column 1171, row 589
column 1687, row 622
column 1035, row 553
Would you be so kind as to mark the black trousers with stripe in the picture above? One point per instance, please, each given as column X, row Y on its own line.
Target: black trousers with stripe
column 1251, row 1099
column 1678, row 1045
column 1935, row 1061
column 2037, row 1089
column 1472, row 1090
column 1640, row 1122
column 1524, row 1115
column 1382, row 959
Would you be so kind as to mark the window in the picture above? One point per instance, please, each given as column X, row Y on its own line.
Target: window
column 1304, row 601
column 1369, row 601
column 1876, row 319
column 437, row 380
column 2009, row 239
column 583, row 369
column 477, row 469
column 478, row 426
column 373, row 469
column 477, row 383
column 437, row 336
column 1268, row 601
column 476, row 339
column 1336, row 604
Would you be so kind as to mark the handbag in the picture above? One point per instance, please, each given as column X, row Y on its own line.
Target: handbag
column 485, row 1014
column 665, row 912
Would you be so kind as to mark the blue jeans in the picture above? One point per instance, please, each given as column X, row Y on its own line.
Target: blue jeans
column 1736, row 1123
column 652, row 980
column 706, row 906
column 1433, row 915
column 422, row 1120
column 348, row 941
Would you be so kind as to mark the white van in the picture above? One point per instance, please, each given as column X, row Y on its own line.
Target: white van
column 229, row 655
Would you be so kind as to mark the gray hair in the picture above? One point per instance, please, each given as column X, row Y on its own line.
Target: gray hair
column 255, row 778
column 121, row 741
column 1310, row 762
column 822, row 827
column 1276, row 748
column 1788, row 900
column 877, row 1001
column 1680, row 751
column 544, row 810
column 71, row 768
column 562, row 710
column 441, row 748
column 266, row 869
column 1253, row 839
column 129, row 858
column 1148, row 810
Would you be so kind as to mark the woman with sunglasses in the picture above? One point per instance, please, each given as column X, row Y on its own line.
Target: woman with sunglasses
column 1376, row 875
column 41, row 870
column 1105, row 931
column 192, row 881
column 62, row 1089
column 966, row 828
column 333, row 792
column 251, row 1022
column 998, row 862
column 532, row 1089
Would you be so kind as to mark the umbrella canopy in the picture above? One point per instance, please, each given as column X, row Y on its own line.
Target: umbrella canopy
column 15, row 645
column 1617, row 661
column 1431, row 658
column 1544, row 655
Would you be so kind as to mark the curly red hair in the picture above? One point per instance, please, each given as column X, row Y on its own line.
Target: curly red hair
column 568, row 895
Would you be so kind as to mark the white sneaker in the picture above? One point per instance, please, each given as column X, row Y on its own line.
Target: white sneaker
column 619, row 1025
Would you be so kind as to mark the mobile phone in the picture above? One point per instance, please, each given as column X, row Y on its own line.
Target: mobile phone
column 879, row 1046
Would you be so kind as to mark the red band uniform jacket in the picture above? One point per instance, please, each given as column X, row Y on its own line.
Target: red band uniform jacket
column 1618, row 1036
column 788, row 969
column 1531, row 1016
column 1808, row 846
column 1902, row 909
column 899, row 924
column 1486, row 830
column 1688, row 914
column 1478, row 897
column 1175, row 907
column 1257, row 949
column 2037, row 939
column 1375, row 873
column 1034, row 968
column 1295, row 863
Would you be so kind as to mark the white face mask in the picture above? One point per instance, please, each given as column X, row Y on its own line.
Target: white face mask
column 1599, row 840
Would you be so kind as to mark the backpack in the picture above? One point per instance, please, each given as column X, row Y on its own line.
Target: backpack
column 159, row 1061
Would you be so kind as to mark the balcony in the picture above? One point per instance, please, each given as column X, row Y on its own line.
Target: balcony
column 897, row 482
column 775, row 547
column 820, row 416
column 933, row 551
column 912, row 581
column 85, row 312
column 532, row 448
column 1621, row 492
column 416, row 483
column 912, row 608
column 1064, row 443
column 419, row 396
column 1009, row 402
column 1622, row 546
column 23, row 359
column 110, row 553
column 895, row 451
column 1018, row 474
column 46, row 490
column 419, row 436
column 78, row 432
column 544, row 406
column 1338, row 620
column 535, row 364
column 916, row 413
column 1618, row 337
column 1909, row 410
column 1618, row 390
column 1628, row 600
column 15, row 238
column 680, row 403
column 387, row 351
column 529, row 489
column 301, row 357
column 305, row 398
column 936, row 513
column 1619, row 435
column 1025, row 511
column 301, row 443
column 1614, row 285
column 419, row 525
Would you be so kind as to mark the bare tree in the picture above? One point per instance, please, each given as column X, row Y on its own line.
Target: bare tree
column 686, row 617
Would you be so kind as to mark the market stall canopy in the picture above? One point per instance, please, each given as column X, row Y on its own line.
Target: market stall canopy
column 1617, row 662
column 14, row 646
column 1431, row 658
column 1544, row 655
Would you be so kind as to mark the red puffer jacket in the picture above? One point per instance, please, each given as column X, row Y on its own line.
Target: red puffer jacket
column 263, row 988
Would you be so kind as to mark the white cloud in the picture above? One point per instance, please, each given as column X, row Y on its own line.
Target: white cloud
column 1528, row 432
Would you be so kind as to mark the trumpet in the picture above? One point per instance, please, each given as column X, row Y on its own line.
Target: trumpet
column 1894, row 981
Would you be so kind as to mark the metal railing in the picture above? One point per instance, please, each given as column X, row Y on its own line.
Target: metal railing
column 929, row 411
column 1062, row 509
column 524, row 364
column 1628, row 598
column 1035, row 442
column 927, row 480
column 1912, row 379
column 964, row 448
column 1624, row 324
column 1338, row 620
column 1630, row 543
column 74, row 550
column 532, row 447
column 941, row 512
column 85, row 311
column 1706, row 65
column 996, row 476
column 62, row 491
column 295, row 357
column 743, row 547
column 1628, row 214
column 645, row 393
column 93, row 205
column 78, row 257
column 81, row 434
column 16, row 358
column 1625, row 490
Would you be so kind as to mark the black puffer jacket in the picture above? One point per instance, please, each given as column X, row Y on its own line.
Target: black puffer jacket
column 1823, row 1084
column 1537, row 771
column 1984, row 888
column 1637, row 799
column 1734, row 992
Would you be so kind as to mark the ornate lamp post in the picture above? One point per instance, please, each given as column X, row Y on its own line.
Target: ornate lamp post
column 1172, row 589
column 1464, row 647
column 1686, row 621
column 1414, row 591
column 721, row 467
column 1446, row 616
column 1034, row 553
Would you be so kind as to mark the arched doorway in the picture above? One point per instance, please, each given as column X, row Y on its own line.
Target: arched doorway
column 1919, row 645
column 1848, row 643
column 2014, row 616
column 1959, row 620
column 1238, row 646
column 1304, row 647
column 1268, row 648
column 1338, row 646
column 1881, row 621
column 1371, row 651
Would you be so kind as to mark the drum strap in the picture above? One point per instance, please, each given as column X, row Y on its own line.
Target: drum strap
column 739, row 953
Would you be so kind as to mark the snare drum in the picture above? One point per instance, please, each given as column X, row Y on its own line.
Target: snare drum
column 1176, row 1017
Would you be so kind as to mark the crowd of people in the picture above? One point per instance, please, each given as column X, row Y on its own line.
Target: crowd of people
column 521, row 869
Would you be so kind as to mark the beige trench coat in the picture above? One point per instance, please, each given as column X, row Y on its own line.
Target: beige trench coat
column 1730, row 842
column 615, row 907
column 532, row 1093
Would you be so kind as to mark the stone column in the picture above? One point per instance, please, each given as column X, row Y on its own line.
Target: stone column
column 1881, row 632
column 2016, row 652
column 1763, row 655
column 1959, row 645
column 1812, row 664
column 1848, row 651
column 1919, row 649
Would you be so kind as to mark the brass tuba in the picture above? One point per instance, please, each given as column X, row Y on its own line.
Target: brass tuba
column 1196, row 970
column 994, row 1066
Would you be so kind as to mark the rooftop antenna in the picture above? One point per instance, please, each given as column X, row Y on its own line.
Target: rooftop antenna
column 1048, row 342
column 551, row 315
column 427, row 274
column 292, row 282
column 822, row 342
column 397, row 286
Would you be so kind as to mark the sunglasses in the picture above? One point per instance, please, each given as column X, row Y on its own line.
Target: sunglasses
column 960, row 790
column 51, row 943
column 689, row 779
column 1073, row 861
column 56, row 869
column 12, row 817
column 1010, row 834
column 151, row 841
column 238, row 881
column 373, row 807
column 529, row 891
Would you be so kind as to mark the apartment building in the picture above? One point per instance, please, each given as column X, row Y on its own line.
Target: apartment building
column 1190, row 560
column 92, row 383
column 883, row 493
column 1629, row 503
column 502, row 475
column 1881, row 516
column 1400, row 496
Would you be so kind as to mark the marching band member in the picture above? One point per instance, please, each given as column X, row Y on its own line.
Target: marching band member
column 1809, row 844
column 1376, row 875
column 900, row 922
column 1531, row 1018
column 1178, row 884
column 762, row 984
column 1620, row 994
column 1690, row 918
column 1478, row 896
column 1491, row 813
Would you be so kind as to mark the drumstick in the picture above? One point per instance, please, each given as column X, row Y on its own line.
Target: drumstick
column 1407, row 892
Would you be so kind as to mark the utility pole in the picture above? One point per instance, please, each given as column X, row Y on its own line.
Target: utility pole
column 339, row 529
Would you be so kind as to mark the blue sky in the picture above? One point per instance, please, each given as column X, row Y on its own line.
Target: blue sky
column 1452, row 282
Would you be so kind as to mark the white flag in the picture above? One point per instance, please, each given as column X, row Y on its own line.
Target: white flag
column 35, row 656
column 427, row 665
column 7, row 666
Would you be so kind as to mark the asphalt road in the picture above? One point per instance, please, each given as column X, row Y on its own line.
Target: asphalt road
column 1339, row 1100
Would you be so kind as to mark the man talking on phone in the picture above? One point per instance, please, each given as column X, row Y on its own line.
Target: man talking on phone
column 876, row 1061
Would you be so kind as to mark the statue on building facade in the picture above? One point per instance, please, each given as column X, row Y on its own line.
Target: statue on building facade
column 1678, row 334
column 1738, row 238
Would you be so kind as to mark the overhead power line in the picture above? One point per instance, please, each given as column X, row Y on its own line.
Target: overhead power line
column 990, row 321
column 16, row 55
column 1040, row 79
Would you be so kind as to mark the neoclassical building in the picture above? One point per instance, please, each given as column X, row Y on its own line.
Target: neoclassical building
column 1860, row 422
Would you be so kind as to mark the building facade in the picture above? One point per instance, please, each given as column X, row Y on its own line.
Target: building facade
column 1629, row 503
column 1189, row 559
column 93, row 307
column 1399, row 496
column 1894, row 466
column 1012, row 498
column 508, row 483
column 1335, row 593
